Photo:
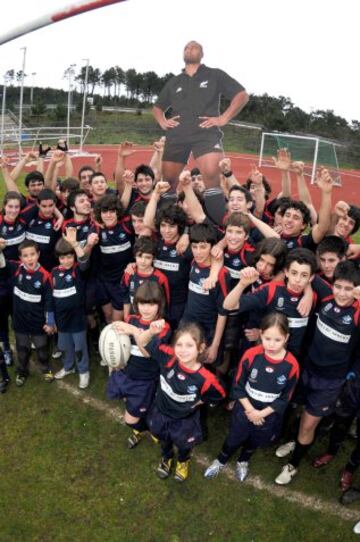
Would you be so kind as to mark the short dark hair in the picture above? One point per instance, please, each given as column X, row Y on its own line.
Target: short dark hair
column 150, row 292
column 109, row 202
column 347, row 270
column 301, row 256
column 354, row 213
column 73, row 195
column 97, row 174
column 70, row 184
column 297, row 206
column 138, row 209
column 144, row 170
column 172, row 214
column 333, row 243
column 245, row 191
column 144, row 244
column 34, row 176
column 273, row 247
column 28, row 243
column 45, row 194
column 195, row 172
column 63, row 248
column 203, row 233
column 85, row 168
column 277, row 203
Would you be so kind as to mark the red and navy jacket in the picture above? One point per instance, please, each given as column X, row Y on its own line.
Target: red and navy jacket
column 335, row 342
column 301, row 241
column 235, row 261
column 204, row 306
column 83, row 228
column 176, row 267
column 135, row 197
column 140, row 367
column 68, row 293
column 41, row 230
column 266, row 381
column 275, row 297
column 131, row 282
column 32, row 300
column 116, row 252
column 180, row 388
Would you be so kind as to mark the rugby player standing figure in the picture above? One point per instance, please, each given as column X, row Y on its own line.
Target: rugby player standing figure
column 195, row 122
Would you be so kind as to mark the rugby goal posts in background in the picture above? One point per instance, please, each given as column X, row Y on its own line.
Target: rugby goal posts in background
column 312, row 150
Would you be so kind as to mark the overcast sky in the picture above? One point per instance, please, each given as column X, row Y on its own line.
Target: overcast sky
column 306, row 50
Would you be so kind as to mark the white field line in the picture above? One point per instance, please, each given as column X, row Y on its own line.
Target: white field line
column 296, row 497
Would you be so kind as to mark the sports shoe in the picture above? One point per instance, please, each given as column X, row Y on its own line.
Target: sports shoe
column 182, row 470
column 48, row 376
column 63, row 372
column 356, row 528
column 241, row 470
column 84, row 379
column 8, row 357
column 134, row 438
column 213, row 470
column 56, row 353
column 154, row 439
column 346, row 480
column 322, row 460
column 20, row 380
column 286, row 475
column 349, row 496
column 285, row 449
column 164, row 468
column 3, row 385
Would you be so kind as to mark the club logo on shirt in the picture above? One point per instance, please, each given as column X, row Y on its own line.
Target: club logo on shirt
column 269, row 369
column 197, row 270
column 236, row 262
column 181, row 376
column 346, row 319
column 336, row 309
column 28, row 277
column 47, row 225
column 280, row 303
column 37, row 284
column 191, row 389
column 122, row 235
column 68, row 278
column 327, row 307
column 294, row 299
column 179, row 89
column 281, row 380
column 170, row 374
column 203, row 84
column 173, row 253
column 253, row 374
column 85, row 229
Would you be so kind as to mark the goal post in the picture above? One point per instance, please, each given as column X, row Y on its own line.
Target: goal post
column 312, row 150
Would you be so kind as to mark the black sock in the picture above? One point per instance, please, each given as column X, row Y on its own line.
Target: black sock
column 298, row 453
column 3, row 370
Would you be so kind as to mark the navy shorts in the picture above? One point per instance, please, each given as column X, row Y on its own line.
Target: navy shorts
column 319, row 394
column 348, row 403
column 109, row 292
column 139, row 394
column 256, row 436
column 183, row 433
column 205, row 142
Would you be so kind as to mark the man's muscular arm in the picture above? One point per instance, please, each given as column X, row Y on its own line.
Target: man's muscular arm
column 236, row 105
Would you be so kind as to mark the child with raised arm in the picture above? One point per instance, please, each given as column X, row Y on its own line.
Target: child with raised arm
column 263, row 385
column 184, row 385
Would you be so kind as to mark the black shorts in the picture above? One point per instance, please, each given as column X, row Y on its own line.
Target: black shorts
column 183, row 432
column 179, row 150
column 109, row 292
column 319, row 394
column 256, row 436
column 139, row 394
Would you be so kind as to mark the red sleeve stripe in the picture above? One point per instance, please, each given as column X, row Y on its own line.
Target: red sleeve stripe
column 222, row 281
column 210, row 380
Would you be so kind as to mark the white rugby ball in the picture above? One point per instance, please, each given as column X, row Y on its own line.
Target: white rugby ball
column 114, row 347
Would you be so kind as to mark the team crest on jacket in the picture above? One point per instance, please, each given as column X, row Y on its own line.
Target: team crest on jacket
column 281, row 380
column 347, row 319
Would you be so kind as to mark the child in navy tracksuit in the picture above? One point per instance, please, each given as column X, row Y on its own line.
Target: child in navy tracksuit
column 68, row 293
column 185, row 384
column 33, row 317
column 137, row 382
column 264, row 382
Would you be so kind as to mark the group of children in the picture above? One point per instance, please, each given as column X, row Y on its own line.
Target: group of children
column 258, row 311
